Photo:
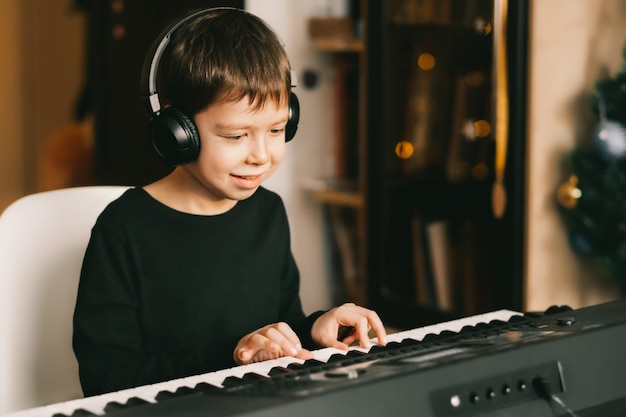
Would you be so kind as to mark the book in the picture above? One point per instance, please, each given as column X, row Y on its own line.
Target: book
column 424, row 283
column 440, row 259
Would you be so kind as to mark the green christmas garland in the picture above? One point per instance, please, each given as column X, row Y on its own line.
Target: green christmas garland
column 593, row 200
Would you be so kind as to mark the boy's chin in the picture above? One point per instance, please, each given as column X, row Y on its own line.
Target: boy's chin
column 244, row 194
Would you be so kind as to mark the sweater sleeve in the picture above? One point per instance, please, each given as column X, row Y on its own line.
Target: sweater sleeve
column 291, row 311
column 107, row 336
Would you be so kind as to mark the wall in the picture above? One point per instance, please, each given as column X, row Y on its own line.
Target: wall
column 11, row 103
column 40, row 76
column 573, row 43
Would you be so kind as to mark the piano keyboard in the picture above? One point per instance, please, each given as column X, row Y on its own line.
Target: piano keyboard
column 101, row 404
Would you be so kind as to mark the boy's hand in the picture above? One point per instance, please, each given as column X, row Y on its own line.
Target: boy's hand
column 269, row 342
column 328, row 329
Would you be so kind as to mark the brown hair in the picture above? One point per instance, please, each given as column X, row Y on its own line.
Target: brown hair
column 224, row 54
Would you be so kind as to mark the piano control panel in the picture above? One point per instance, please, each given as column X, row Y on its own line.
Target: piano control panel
column 511, row 365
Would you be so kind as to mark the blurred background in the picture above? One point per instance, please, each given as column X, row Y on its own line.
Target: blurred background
column 412, row 112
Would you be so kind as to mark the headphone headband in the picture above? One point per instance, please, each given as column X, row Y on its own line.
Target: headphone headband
column 150, row 65
column 153, row 58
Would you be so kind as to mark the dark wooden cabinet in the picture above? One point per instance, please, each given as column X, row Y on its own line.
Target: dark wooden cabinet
column 435, row 246
column 120, row 33
column 437, row 125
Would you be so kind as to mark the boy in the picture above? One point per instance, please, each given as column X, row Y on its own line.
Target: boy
column 194, row 272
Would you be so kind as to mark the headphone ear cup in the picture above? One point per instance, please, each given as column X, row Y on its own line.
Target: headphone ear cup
column 174, row 137
column 294, row 117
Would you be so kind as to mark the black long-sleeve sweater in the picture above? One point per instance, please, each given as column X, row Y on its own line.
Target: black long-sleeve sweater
column 165, row 294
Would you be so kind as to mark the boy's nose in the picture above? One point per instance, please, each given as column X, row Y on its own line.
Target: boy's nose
column 259, row 153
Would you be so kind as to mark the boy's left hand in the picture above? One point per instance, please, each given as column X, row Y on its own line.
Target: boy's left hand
column 328, row 327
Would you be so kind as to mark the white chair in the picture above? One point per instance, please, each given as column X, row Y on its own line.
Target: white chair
column 43, row 238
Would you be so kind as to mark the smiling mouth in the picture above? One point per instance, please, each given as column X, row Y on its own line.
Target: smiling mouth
column 246, row 177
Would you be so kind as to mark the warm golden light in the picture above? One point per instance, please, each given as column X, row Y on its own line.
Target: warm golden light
column 480, row 172
column 482, row 127
column 474, row 78
column 426, row 61
column 404, row 149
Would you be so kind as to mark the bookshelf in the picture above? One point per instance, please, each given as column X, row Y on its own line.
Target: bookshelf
column 411, row 205
column 436, row 247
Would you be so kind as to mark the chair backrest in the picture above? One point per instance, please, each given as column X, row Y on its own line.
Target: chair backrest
column 43, row 238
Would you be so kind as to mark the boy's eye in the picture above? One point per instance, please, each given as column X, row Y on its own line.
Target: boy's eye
column 234, row 137
column 278, row 131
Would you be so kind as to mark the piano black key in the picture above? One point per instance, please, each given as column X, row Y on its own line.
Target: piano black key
column 250, row 377
column 309, row 363
column 76, row 413
column 131, row 402
column 467, row 329
column 177, row 393
column 205, row 387
column 355, row 353
column 408, row 342
column 430, row 337
column 295, row 366
column 447, row 333
column 376, row 349
column 336, row 357
column 517, row 319
column 278, row 370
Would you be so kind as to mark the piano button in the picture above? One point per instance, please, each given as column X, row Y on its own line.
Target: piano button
column 474, row 398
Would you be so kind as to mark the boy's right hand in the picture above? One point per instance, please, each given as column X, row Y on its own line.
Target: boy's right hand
column 270, row 342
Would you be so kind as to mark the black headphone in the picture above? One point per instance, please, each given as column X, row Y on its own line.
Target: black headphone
column 173, row 134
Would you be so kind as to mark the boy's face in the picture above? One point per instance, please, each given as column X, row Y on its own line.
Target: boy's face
column 240, row 147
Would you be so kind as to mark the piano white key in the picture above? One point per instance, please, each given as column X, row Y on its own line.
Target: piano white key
column 454, row 325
